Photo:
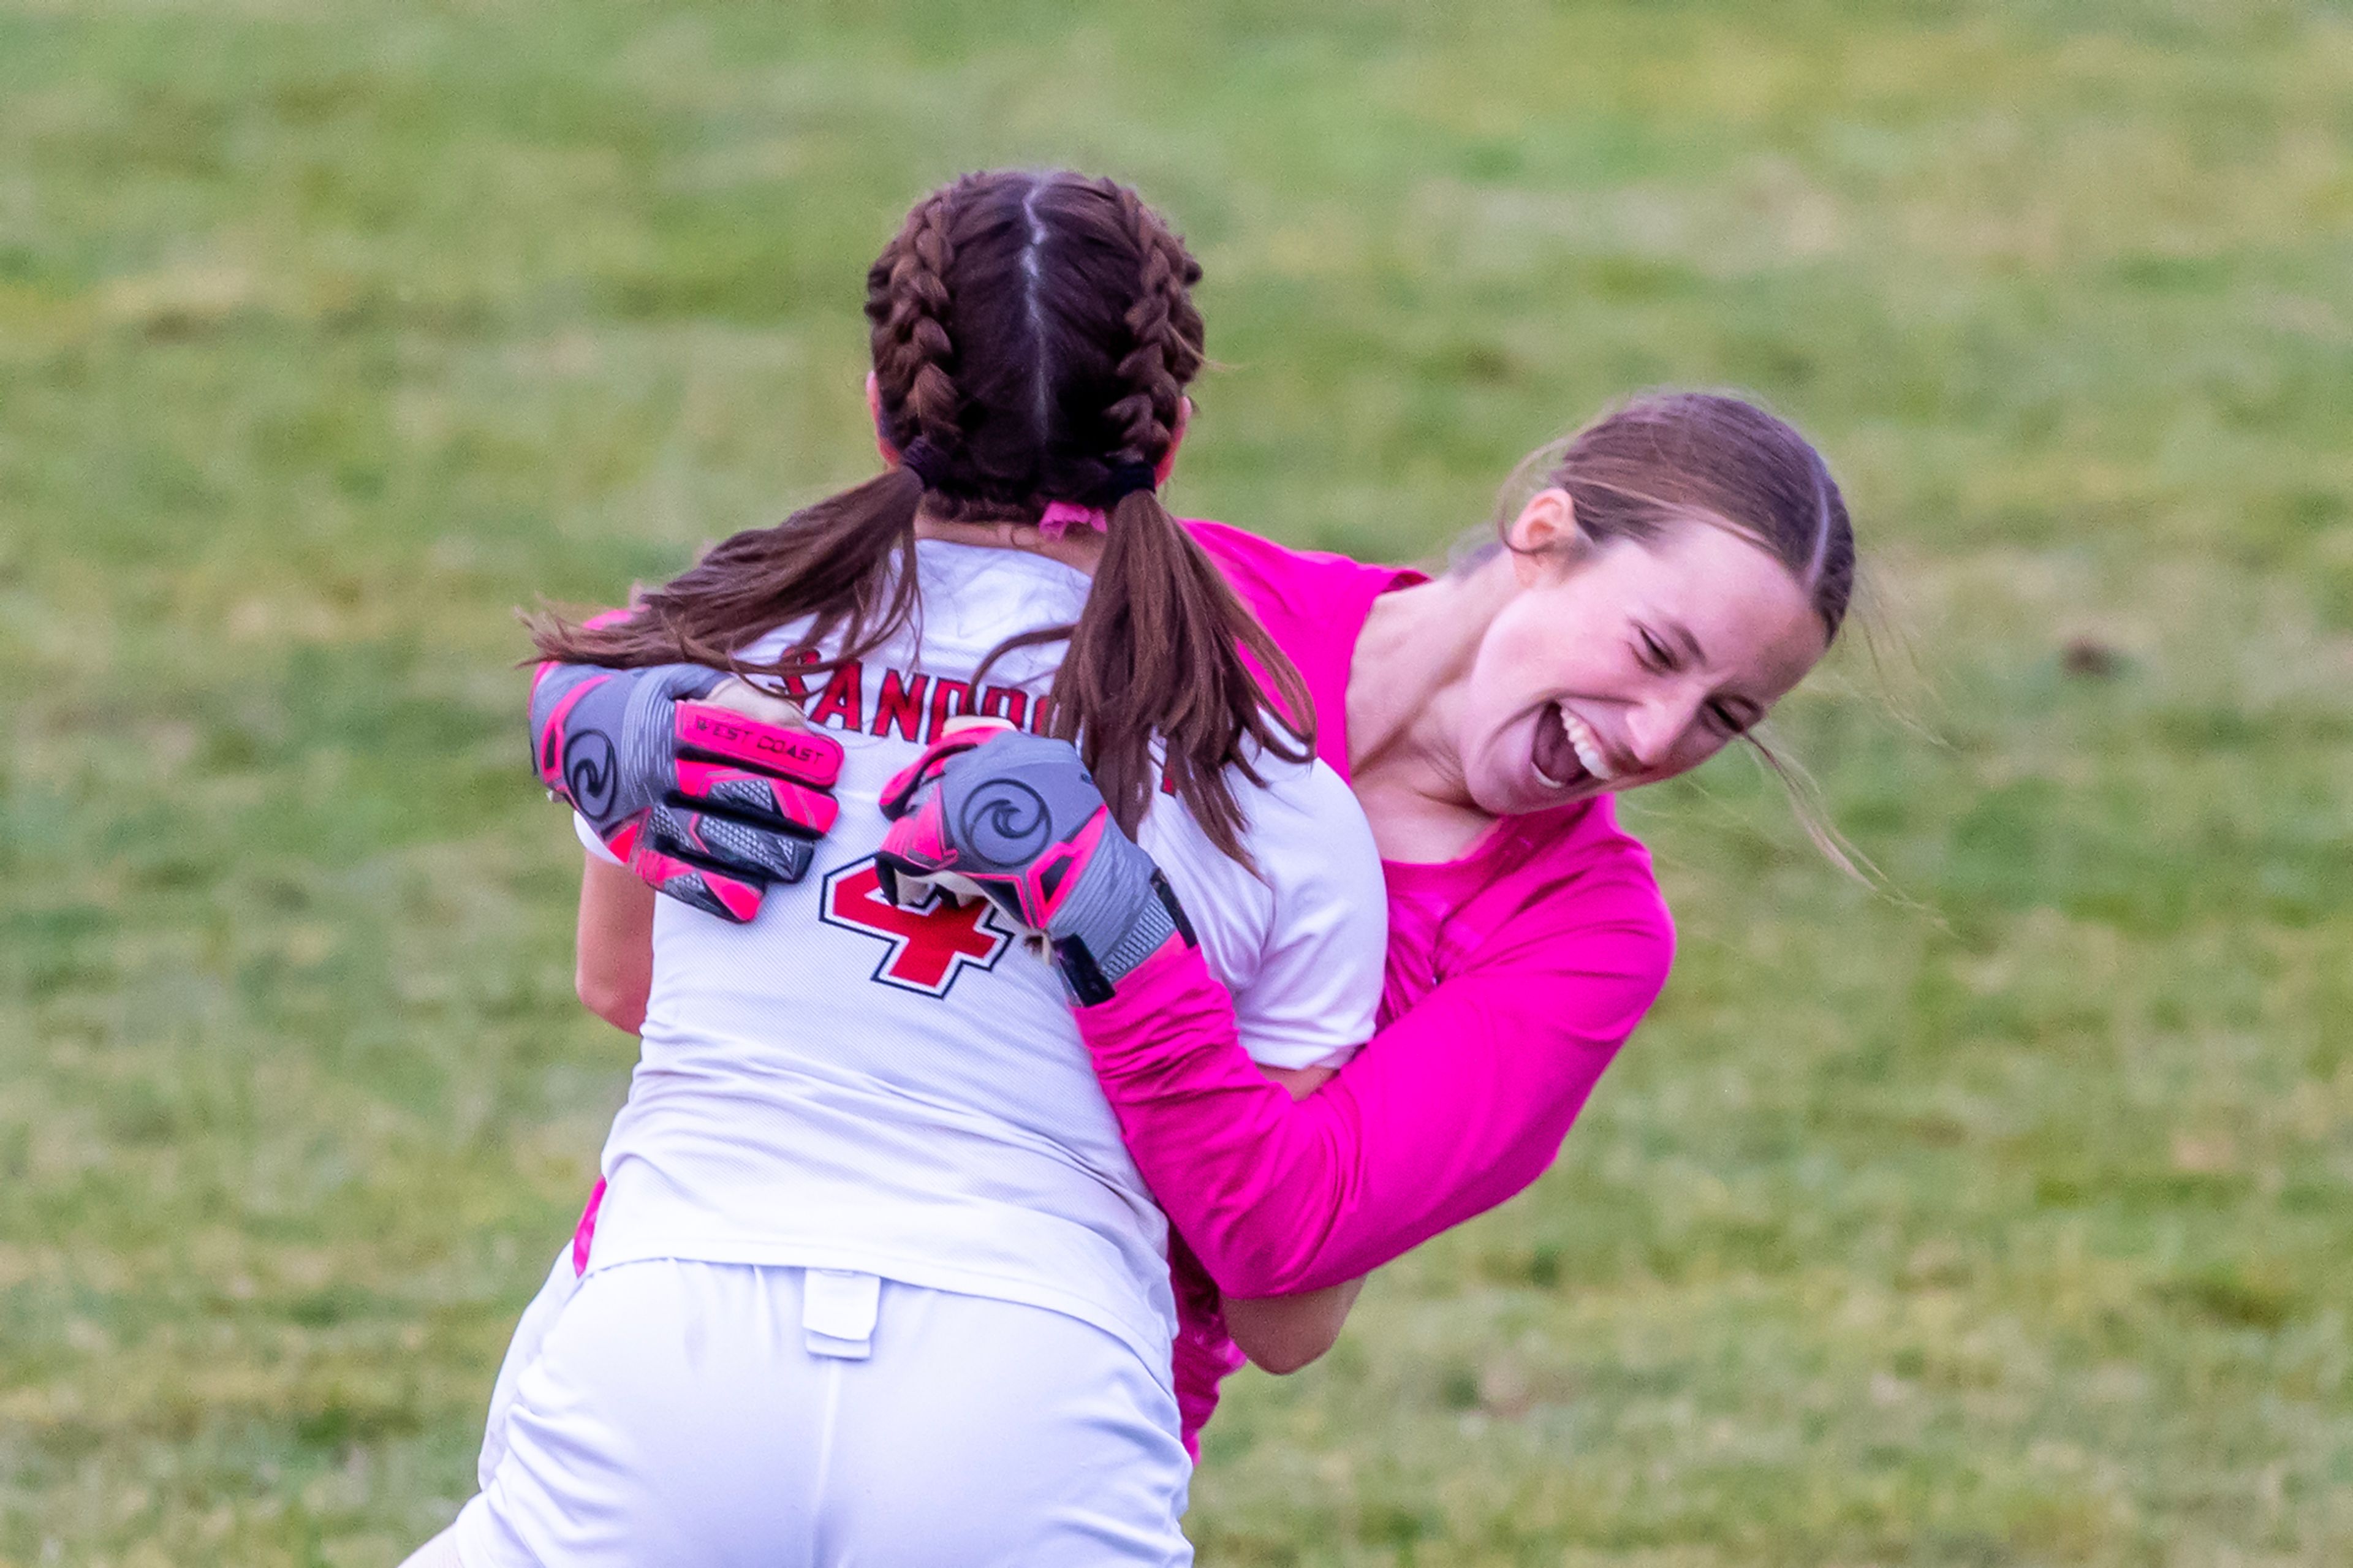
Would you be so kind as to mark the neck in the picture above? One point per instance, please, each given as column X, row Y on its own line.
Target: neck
column 1081, row 548
column 1405, row 683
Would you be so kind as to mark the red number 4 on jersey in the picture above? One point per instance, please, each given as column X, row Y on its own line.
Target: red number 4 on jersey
column 929, row 946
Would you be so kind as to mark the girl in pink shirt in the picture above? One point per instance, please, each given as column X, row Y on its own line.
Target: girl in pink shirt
column 1688, row 561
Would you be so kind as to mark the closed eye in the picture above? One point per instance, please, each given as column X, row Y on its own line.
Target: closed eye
column 1728, row 719
column 1654, row 655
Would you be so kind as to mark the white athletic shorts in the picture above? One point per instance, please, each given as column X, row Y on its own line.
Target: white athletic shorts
column 686, row 1414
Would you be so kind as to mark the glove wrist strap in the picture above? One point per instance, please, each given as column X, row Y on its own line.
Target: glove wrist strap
column 1093, row 978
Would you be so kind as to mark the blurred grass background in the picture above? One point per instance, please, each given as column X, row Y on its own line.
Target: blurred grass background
column 2010, row 1229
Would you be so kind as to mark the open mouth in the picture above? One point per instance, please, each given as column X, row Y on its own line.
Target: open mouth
column 1567, row 751
column 1555, row 759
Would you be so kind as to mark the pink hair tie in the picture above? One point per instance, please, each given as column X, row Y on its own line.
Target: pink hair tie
column 1061, row 516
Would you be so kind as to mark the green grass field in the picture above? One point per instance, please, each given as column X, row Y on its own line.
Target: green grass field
column 2006, row 1222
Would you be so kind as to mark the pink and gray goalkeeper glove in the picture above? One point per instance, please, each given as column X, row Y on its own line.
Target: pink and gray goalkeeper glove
column 1016, row 819
column 704, row 803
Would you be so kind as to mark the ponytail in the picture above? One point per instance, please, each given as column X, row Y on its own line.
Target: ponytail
column 1163, row 651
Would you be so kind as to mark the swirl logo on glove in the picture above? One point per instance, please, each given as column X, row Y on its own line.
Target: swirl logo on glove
column 591, row 774
column 1004, row 822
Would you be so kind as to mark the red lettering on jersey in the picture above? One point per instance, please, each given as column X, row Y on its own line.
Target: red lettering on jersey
column 929, row 946
column 794, row 687
column 1003, row 702
column 1041, row 716
column 844, row 704
column 949, row 698
column 901, row 705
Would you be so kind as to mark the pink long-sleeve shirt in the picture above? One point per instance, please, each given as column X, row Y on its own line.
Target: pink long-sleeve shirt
column 1514, row 974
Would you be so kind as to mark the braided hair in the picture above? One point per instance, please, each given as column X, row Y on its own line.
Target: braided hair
column 1032, row 336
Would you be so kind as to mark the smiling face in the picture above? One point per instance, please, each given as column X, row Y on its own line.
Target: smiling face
column 1625, row 663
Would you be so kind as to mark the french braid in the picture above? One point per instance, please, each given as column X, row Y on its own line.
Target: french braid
column 1164, row 331
column 907, row 300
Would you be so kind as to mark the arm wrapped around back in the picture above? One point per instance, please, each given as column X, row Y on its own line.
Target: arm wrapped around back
column 1453, row 1107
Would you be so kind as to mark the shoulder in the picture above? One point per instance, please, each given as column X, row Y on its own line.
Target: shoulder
column 1308, row 786
column 1275, row 578
column 1584, row 888
column 1308, row 842
column 1573, row 939
column 1287, row 793
column 1306, row 827
column 1237, row 550
column 1264, row 572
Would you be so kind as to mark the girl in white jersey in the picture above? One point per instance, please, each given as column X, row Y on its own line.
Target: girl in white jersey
column 874, row 1279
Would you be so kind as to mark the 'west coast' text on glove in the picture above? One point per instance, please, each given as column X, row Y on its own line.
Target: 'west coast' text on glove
column 706, row 805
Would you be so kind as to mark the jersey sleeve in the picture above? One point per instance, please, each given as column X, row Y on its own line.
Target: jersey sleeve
column 591, row 843
column 1318, row 982
column 1455, row 1106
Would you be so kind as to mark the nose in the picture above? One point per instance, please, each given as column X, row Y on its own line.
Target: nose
column 1655, row 729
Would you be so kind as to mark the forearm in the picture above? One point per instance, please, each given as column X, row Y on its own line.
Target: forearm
column 613, row 968
column 1447, row 1112
column 1281, row 1335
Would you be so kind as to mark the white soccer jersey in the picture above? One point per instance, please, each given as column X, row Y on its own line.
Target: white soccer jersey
column 842, row 1084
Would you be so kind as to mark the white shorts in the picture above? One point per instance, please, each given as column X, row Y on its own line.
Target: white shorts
column 523, row 1350
column 687, row 1413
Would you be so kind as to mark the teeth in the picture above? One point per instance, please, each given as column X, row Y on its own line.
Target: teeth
column 1589, row 745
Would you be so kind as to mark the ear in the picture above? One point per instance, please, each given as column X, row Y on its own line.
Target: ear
column 1545, row 532
column 1161, row 471
column 874, row 411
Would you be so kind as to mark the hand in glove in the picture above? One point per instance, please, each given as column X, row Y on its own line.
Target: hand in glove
column 709, row 789
column 1016, row 819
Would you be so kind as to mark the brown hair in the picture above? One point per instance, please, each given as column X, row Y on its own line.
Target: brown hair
column 1032, row 337
column 1675, row 457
